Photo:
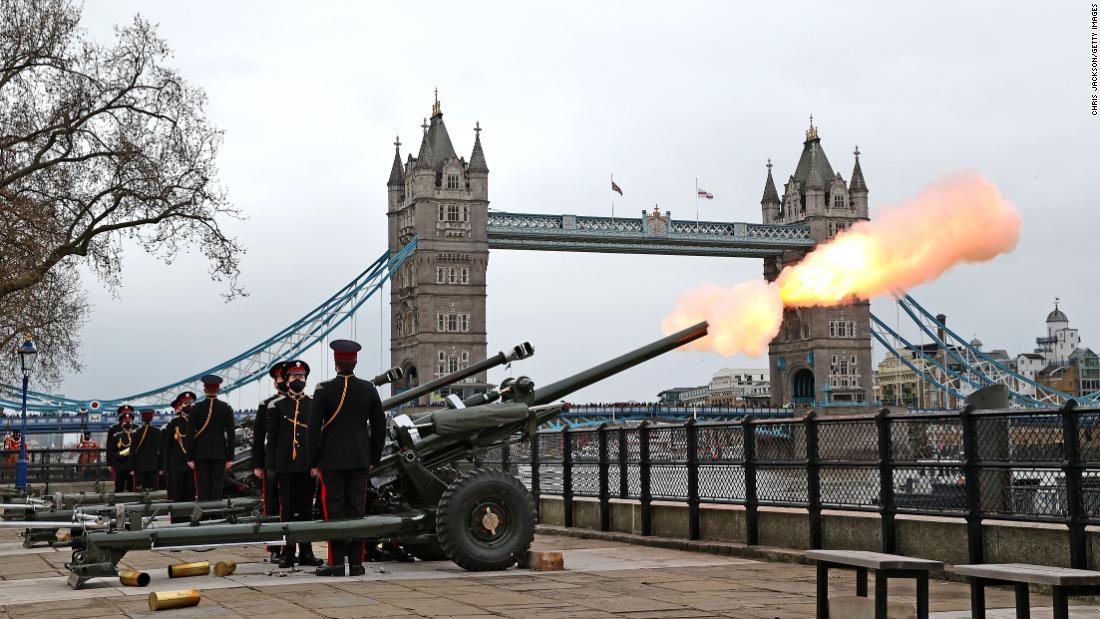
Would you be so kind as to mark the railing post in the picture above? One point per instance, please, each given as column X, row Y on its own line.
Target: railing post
column 567, row 475
column 813, row 479
column 605, row 490
column 535, row 490
column 975, row 549
column 752, row 529
column 624, row 466
column 1072, row 468
column 645, row 490
column 887, row 506
column 691, row 432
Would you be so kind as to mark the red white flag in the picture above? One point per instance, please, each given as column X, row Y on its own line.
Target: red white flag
column 616, row 188
column 704, row 194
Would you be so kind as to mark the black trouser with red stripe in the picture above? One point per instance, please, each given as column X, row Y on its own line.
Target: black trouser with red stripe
column 209, row 479
column 295, row 505
column 344, row 495
column 270, row 497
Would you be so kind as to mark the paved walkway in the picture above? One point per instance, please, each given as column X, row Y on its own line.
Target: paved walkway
column 603, row 579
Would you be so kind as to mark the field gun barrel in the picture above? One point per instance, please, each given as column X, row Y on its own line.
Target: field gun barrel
column 558, row 390
column 447, row 434
column 391, row 375
column 521, row 351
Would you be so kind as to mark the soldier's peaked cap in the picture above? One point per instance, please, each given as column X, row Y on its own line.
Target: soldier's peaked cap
column 126, row 409
column 345, row 349
column 278, row 369
column 147, row 414
column 186, row 395
column 211, row 380
column 297, row 367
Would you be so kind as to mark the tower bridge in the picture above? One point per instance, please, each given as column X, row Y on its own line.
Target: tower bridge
column 437, row 303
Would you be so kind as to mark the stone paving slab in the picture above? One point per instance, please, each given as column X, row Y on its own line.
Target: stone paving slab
column 602, row 580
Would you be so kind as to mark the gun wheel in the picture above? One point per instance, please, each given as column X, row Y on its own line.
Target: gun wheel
column 486, row 521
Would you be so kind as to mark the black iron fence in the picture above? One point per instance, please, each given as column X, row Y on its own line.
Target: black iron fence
column 1034, row 466
column 54, row 465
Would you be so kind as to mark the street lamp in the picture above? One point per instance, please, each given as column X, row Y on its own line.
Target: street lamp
column 27, row 356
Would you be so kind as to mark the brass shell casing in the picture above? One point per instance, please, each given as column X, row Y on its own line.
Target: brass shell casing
column 181, row 570
column 165, row 600
column 134, row 579
column 225, row 568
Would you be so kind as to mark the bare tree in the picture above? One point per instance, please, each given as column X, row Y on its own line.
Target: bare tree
column 100, row 146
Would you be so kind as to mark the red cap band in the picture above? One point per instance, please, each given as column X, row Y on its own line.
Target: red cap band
column 345, row 356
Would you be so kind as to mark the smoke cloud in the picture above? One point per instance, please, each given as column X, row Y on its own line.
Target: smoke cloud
column 960, row 220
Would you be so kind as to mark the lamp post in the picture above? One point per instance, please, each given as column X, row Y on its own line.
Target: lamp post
column 27, row 356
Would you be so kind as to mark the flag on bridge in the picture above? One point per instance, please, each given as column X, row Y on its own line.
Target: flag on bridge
column 702, row 193
column 616, row 188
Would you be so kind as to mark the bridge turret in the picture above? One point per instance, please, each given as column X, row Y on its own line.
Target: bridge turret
column 478, row 172
column 769, row 204
column 423, row 176
column 396, row 183
column 857, row 190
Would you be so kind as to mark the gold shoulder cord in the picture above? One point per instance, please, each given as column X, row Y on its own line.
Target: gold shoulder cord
column 340, row 406
column 179, row 439
column 209, row 414
column 142, row 440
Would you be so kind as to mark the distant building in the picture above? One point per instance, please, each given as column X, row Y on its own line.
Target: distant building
column 1088, row 371
column 734, row 386
column 1060, row 341
column 678, row 396
column 728, row 387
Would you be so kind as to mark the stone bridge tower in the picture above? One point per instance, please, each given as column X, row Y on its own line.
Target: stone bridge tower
column 822, row 355
column 437, row 298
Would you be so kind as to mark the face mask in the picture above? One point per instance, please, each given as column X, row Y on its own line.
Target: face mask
column 296, row 385
column 280, row 386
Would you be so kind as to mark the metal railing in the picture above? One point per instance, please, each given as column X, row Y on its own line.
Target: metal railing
column 55, row 465
column 1032, row 466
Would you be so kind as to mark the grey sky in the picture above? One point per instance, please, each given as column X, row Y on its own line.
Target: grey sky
column 567, row 93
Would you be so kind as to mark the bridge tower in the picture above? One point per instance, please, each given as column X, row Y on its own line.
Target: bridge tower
column 437, row 298
column 822, row 355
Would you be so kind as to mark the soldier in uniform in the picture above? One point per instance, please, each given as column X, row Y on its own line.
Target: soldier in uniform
column 146, row 453
column 177, row 475
column 347, row 433
column 262, row 459
column 120, row 439
column 89, row 455
column 288, row 436
column 210, row 441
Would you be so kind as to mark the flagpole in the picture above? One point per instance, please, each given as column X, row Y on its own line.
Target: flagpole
column 612, row 199
column 696, row 205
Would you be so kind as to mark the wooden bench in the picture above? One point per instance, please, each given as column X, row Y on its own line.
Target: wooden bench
column 885, row 566
column 1062, row 581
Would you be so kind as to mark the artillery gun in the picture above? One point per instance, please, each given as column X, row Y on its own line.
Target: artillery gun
column 43, row 521
column 482, row 520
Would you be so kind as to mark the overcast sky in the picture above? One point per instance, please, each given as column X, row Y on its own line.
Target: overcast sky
column 311, row 98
